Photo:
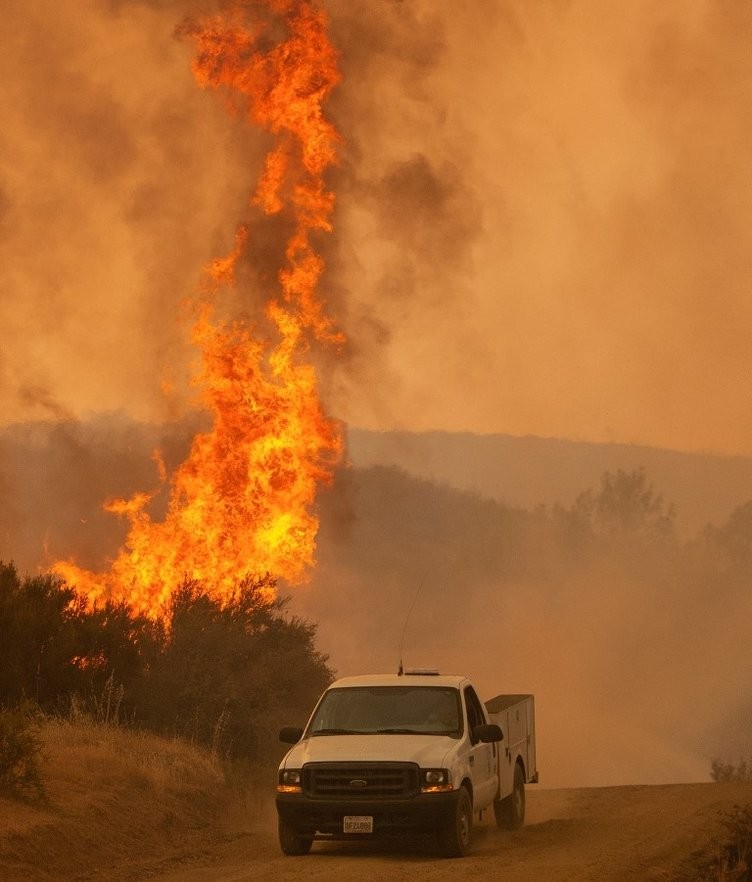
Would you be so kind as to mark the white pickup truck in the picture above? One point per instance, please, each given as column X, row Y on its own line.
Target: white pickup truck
column 401, row 754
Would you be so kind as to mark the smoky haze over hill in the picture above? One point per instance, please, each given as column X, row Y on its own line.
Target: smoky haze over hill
column 632, row 637
column 634, row 644
column 529, row 471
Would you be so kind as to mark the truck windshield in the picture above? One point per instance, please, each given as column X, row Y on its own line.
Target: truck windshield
column 388, row 710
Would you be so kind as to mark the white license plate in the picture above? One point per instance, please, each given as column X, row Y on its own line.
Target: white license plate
column 358, row 824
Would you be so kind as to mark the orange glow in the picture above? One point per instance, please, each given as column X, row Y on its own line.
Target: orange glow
column 240, row 504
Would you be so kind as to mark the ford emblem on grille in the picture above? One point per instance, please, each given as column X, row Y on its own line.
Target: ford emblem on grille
column 358, row 782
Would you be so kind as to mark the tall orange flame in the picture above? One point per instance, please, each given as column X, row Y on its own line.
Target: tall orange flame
column 241, row 502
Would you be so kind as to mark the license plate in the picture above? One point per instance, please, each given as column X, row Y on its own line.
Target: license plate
column 358, row 824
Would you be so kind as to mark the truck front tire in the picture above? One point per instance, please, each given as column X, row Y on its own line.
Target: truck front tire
column 291, row 842
column 510, row 812
column 456, row 835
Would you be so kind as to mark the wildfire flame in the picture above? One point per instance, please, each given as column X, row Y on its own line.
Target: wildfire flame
column 240, row 504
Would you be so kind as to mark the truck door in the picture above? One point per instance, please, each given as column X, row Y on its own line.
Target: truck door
column 483, row 757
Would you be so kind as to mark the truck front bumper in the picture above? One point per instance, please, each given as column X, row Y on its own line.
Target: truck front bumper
column 423, row 813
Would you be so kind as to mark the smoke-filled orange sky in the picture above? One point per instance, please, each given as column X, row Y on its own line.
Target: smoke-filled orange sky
column 543, row 222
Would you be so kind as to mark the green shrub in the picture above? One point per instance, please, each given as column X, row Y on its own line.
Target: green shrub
column 232, row 672
column 20, row 748
column 223, row 673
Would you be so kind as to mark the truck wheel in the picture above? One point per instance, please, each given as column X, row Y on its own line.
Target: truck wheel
column 455, row 837
column 291, row 842
column 510, row 812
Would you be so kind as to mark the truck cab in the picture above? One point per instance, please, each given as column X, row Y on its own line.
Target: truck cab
column 395, row 754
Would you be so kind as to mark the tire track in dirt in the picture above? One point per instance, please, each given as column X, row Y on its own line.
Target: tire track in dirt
column 629, row 834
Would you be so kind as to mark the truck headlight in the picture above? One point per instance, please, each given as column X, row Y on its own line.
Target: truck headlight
column 435, row 780
column 290, row 781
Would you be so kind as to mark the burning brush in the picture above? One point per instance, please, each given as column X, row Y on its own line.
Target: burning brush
column 240, row 504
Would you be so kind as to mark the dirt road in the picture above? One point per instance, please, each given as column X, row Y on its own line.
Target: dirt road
column 638, row 833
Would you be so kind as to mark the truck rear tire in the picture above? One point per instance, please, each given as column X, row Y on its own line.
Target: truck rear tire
column 455, row 837
column 291, row 842
column 510, row 812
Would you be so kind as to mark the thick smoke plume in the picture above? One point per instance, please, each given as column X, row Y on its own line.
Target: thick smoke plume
column 542, row 228
column 579, row 269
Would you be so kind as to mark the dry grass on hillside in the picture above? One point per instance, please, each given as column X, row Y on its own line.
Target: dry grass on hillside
column 118, row 805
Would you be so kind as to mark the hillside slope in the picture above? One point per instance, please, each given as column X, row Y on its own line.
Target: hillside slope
column 56, row 476
column 118, row 805
column 529, row 471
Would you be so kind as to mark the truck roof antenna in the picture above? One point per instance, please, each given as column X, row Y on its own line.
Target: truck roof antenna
column 401, row 670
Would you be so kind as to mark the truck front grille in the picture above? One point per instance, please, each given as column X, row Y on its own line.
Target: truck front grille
column 360, row 780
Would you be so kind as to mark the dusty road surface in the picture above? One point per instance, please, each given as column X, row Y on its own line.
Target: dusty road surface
column 638, row 833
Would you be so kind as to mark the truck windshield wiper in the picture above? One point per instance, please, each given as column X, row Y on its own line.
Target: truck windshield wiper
column 335, row 732
column 399, row 732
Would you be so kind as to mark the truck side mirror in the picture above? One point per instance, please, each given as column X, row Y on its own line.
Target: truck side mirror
column 290, row 734
column 488, row 732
